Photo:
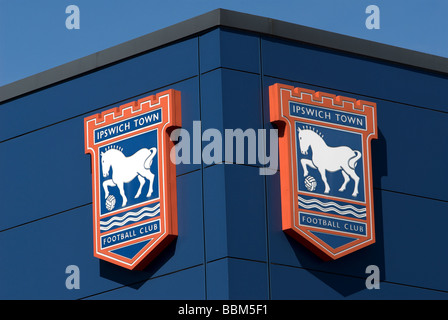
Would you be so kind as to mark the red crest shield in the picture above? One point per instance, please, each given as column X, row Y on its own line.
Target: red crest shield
column 133, row 179
column 325, row 168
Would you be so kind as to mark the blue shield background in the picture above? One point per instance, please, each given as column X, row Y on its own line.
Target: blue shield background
column 130, row 146
column 333, row 138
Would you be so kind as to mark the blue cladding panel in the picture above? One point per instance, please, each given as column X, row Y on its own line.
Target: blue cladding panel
column 229, row 49
column 331, row 69
column 43, row 173
column 209, row 51
column 241, row 100
column 415, row 240
column 218, row 280
column 162, row 288
column 212, row 101
column 119, row 82
column 231, row 100
column 190, row 112
column 189, row 246
column 287, row 283
column 410, row 150
column 245, row 212
column 234, row 216
column 215, row 208
column 34, row 266
column 247, row 280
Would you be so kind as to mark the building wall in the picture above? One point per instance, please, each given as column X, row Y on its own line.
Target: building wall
column 230, row 243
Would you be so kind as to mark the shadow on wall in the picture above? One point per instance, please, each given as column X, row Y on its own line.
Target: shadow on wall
column 135, row 279
column 347, row 275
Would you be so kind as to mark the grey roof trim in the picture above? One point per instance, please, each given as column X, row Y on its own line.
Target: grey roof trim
column 231, row 19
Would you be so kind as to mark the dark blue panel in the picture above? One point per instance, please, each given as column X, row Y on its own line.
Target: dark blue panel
column 415, row 240
column 288, row 283
column 218, row 280
column 237, row 279
column 246, row 212
column 317, row 66
column 239, row 94
column 210, row 51
column 118, row 82
column 235, row 217
column 190, row 112
column 241, row 100
column 212, row 101
column 183, row 285
column 280, row 245
column 410, row 155
column 229, row 49
column 215, row 212
column 247, row 280
column 43, row 173
column 231, row 100
column 189, row 246
column 34, row 258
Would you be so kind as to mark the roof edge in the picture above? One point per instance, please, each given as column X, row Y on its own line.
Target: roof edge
column 231, row 19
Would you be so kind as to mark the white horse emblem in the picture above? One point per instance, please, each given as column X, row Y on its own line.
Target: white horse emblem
column 125, row 169
column 327, row 158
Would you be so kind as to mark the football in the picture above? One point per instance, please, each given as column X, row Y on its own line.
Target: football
column 110, row 202
column 310, row 183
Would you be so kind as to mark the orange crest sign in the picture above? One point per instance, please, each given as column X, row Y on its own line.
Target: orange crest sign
column 133, row 179
column 325, row 168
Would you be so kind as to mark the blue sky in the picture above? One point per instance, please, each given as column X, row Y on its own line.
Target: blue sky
column 34, row 38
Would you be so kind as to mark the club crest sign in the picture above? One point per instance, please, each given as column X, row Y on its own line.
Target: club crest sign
column 325, row 168
column 133, row 179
